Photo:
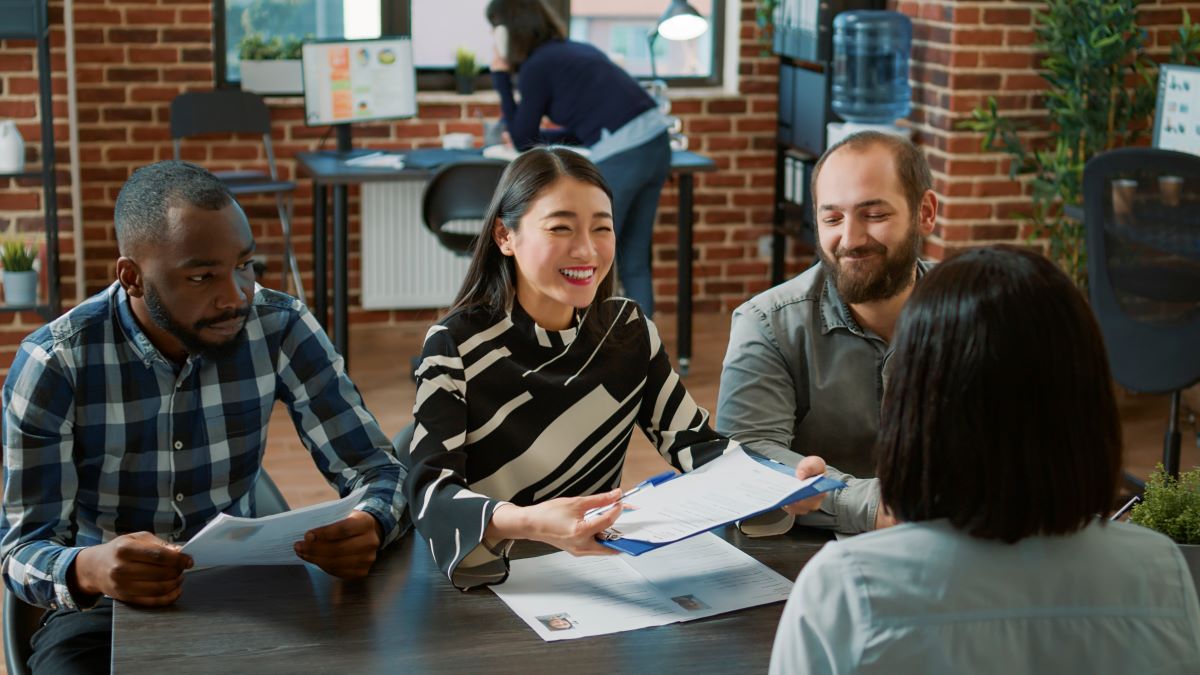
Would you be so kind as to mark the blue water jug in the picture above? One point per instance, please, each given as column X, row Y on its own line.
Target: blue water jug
column 870, row 66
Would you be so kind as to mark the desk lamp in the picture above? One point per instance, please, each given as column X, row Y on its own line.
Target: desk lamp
column 680, row 22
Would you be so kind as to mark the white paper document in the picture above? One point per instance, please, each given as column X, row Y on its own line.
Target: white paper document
column 563, row 597
column 729, row 488
column 230, row 540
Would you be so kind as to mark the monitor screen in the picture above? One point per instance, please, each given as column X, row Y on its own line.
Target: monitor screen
column 1177, row 119
column 358, row 81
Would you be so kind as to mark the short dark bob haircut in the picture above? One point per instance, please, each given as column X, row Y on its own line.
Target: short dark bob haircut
column 999, row 414
column 530, row 23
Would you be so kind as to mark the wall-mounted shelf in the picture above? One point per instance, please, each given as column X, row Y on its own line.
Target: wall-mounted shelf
column 30, row 20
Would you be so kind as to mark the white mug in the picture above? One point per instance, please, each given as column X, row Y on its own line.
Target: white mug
column 458, row 141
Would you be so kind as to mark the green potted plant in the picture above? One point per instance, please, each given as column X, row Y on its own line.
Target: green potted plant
column 1100, row 93
column 465, row 70
column 20, row 279
column 271, row 66
column 1172, row 506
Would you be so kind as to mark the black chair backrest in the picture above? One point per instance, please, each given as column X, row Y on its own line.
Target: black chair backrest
column 268, row 500
column 219, row 112
column 1142, row 216
column 21, row 621
column 459, row 191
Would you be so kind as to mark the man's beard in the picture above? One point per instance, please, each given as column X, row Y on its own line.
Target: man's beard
column 882, row 280
column 190, row 337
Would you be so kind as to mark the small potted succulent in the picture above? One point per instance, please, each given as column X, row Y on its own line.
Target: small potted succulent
column 465, row 70
column 1172, row 506
column 271, row 66
column 20, row 279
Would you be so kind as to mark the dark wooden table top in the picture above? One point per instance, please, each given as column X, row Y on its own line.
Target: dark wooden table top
column 407, row 617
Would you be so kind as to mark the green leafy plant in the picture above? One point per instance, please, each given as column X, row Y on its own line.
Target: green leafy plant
column 254, row 47
column 1171, row 505
column 464, row 63
column 1101, row 93
column 16, row 256
column 764, row 16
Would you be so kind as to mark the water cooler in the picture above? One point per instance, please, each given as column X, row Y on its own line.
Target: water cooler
column 870, row 87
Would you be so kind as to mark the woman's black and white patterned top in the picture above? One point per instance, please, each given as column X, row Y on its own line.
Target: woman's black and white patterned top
column 507, row 411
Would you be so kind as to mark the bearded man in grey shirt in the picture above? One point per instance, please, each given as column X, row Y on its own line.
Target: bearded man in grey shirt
column 808, row 359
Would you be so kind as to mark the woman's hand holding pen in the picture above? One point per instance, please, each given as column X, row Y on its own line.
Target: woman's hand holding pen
column 558, row 522
column 808, row 467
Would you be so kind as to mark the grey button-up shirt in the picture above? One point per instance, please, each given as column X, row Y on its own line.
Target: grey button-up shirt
column 802, row 377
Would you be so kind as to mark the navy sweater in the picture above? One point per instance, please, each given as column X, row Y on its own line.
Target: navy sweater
column 576, row 86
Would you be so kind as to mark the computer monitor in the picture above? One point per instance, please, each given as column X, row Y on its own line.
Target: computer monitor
column 347, row 81
column 1177, row 119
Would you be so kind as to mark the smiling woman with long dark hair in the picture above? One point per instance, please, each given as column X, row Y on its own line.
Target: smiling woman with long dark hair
column 529, row 389
column 595, row 104
column 999, row 452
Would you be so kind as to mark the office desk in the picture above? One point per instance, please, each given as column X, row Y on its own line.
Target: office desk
column 326, row 170
column 406, row 617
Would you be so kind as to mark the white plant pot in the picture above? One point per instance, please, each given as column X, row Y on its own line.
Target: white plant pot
column 272, row 77
column 20, row 288
column 1191, row 553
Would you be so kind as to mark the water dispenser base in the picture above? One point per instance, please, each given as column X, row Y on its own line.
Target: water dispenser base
column 836, row 131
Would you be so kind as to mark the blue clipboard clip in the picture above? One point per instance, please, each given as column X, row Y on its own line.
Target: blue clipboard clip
column 612, row 537
column 649, row 482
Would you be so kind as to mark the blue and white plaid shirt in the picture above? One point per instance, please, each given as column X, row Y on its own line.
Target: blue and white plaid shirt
column 104, row 436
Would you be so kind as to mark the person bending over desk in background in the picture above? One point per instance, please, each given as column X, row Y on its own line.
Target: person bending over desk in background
column 808, row 360
column 530, row 387
column 598, row 105
column 141, row 414
column 999, row 445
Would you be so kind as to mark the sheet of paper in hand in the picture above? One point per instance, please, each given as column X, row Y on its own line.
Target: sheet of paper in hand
column 230, row 540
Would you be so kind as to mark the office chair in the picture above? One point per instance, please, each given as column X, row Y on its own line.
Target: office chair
column 232, row 112
column 1142, row 221
column 21, row 620
column 459, row 191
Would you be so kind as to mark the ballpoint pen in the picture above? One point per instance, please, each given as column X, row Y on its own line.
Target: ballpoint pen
column 651, row 481
column 1128, row 505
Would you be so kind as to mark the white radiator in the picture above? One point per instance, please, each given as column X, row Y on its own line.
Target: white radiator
column 403, row 265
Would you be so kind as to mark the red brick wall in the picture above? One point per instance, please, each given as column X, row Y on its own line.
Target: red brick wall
column 133, row 56
column 963, row 52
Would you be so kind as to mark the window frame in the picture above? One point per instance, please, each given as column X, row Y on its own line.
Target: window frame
column 396, row 19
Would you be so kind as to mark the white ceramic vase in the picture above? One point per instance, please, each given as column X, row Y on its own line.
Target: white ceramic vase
column 12, row 148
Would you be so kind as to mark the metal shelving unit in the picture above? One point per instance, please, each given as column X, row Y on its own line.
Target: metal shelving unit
column 29, row 20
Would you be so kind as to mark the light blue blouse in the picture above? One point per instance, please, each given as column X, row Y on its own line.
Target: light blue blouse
column 927, row 598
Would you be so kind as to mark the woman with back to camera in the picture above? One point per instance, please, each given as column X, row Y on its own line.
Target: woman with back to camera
column 598, row 105
column 530, row 387
column 999, row 451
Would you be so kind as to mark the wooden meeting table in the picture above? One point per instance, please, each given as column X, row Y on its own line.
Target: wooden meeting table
column 407, row 617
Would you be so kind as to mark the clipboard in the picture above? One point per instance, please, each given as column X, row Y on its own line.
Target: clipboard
column 635, row 547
